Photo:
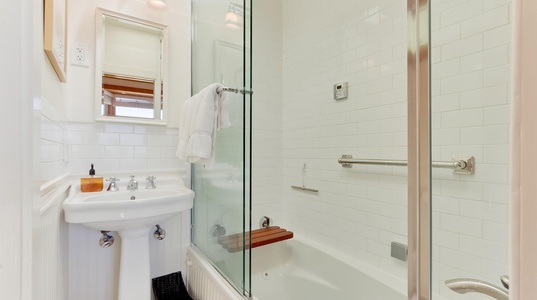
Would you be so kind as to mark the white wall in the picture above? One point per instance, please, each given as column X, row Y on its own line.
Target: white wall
column 471, row 43
column 359, row 211
column 121, row 147
column 267, row 162
column 53, row 148
column 19, row 91
column 80, row 88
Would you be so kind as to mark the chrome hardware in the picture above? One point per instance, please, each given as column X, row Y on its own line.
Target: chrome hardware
column 150, row 182
column 106, row 239
column 303, row 187
column 399, row 251
column 133, row 184
column 160, row 233
column 459, row 165
column 345, row 164
column 233, row 90
column 463, row 165
column 265, row 222
column 133, row 198
column 465, row 285
column 505, row 281
column 218, row 230
column 112, row 187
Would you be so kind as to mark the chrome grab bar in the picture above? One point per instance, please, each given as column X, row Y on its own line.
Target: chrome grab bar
column 465, row 285
column 463, row 165
column 233, row 90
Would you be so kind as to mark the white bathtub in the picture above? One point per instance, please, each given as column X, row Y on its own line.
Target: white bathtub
column 300, row 269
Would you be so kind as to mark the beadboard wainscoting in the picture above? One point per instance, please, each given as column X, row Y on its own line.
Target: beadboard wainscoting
column 50, row 247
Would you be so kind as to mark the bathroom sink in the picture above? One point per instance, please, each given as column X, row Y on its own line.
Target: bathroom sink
column 125, row 209
column 132, row 213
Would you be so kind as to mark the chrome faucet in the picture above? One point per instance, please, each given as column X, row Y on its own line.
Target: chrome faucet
column 465, row 285
column 133, row 184
column 112, row 187
column 150, row 182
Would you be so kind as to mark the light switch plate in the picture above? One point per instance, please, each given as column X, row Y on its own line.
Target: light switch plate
column 341, row 90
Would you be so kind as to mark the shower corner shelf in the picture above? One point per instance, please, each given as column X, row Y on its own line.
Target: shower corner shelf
column 260, row 237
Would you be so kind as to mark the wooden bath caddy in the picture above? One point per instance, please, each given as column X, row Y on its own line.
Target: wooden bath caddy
column 260, row 237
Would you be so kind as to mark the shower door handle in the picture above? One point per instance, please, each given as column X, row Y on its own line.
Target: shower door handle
column 467, row 285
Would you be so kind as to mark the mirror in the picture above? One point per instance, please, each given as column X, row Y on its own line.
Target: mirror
column 131, row 77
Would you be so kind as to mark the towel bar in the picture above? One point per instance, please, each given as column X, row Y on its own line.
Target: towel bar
column 234, row 90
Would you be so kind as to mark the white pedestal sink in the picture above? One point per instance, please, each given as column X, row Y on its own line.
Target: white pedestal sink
column 132, row 214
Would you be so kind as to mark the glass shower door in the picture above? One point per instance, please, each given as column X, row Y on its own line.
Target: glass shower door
column 470, row 78
column 221, row 213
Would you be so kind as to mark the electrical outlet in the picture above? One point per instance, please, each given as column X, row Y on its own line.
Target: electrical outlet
column 79, row 54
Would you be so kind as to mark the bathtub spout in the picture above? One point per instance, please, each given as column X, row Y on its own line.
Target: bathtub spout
column 465, row 285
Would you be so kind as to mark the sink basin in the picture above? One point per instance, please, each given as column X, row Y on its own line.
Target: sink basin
column 132, row 214
column 124, row 209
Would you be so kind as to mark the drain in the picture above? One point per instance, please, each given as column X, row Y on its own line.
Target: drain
column 133, row 198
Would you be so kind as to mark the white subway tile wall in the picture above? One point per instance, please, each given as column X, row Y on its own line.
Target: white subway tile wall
column 70, row 147
column 52, row 149
column 113, row 147
column 471, row 80
column 53, row 145
column 359, row 211
column 267, row 162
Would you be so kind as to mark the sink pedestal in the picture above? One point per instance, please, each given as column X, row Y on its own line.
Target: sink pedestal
column 134, row 271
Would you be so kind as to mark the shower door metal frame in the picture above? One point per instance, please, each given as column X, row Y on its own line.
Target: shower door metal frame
column 419, row 151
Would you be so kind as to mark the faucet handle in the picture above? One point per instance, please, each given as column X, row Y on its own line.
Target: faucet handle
column 112, row 186
column 113, row 179
column 151, row 182
column 133, row 184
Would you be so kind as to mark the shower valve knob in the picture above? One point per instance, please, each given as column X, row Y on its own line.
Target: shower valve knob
column 265, row 222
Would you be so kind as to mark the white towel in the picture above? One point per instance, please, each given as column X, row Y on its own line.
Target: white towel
column 201, row 116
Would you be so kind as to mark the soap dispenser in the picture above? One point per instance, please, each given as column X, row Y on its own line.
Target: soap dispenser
column 92, row 183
